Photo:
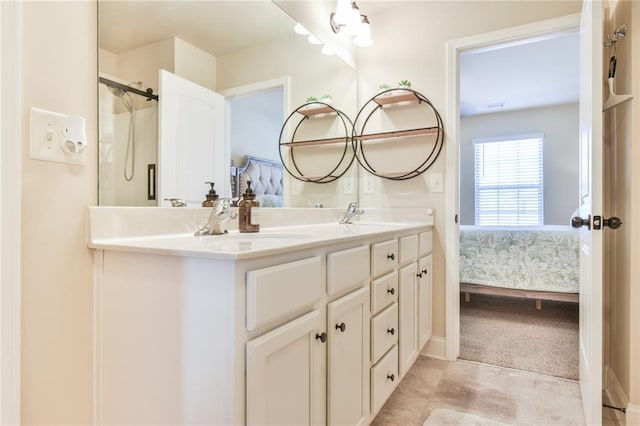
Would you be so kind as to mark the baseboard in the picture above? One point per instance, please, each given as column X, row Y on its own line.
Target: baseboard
column 617, row 397
column 435, row 348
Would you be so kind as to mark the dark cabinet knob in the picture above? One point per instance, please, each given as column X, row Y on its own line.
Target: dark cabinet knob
column 425, row 272
column 322, row 337
column 391, row 331
column 612, row 222
column 342, row 327
column 578, row 222
column 391, row 377
column 419, row 274
column 391, row 291
column 391, row 256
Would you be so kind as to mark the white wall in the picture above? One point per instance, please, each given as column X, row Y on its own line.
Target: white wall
column 59, row 74
column 559, row 124
column 410, row 43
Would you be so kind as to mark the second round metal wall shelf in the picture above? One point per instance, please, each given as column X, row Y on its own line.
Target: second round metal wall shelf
column 432, row 134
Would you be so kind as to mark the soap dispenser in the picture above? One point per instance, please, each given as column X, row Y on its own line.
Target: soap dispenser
column 249, row 211
column 211, row 196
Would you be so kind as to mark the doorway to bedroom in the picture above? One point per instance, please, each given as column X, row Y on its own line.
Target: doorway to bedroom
column 518, row 185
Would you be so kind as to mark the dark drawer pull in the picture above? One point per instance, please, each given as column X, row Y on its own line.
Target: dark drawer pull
column 391, row 256
column 391, row 291
column 391, row 331
column 342, row 327
column 391, row 377
column 322, row 337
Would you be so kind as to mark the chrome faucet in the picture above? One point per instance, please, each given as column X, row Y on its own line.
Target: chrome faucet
column 352, row 211
column 176, row 202
column 220, row 214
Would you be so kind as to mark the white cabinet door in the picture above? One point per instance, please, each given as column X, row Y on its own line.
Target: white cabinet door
column 348, row 361
column 408, row 317
column 286, row 371
column 424, row 300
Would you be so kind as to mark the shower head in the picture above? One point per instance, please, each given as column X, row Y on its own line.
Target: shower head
column 116, row 91
column 120, row 91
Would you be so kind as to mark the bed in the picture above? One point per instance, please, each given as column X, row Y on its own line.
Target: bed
column 541, row 263
column 266, row 181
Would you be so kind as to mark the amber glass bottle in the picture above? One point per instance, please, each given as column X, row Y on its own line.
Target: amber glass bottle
column 249, row 211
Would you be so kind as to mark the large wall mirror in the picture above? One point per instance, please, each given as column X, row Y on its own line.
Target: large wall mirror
column 258, row 69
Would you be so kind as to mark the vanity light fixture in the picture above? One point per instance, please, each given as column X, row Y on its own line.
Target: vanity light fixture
column 351, row 22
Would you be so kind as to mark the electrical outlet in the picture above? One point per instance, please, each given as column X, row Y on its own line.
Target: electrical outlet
column 367, row 184
column 436, row 182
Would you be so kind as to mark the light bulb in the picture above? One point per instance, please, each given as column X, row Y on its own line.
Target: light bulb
column 343, row 8
column 363, row 38
column 326, row 50
column 313, row 39
column 300, row 29
column 352, row 27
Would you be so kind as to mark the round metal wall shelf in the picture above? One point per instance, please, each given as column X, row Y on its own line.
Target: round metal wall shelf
column 433, row 135
column 287, row 149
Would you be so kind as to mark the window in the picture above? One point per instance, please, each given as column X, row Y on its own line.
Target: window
column 508, row 181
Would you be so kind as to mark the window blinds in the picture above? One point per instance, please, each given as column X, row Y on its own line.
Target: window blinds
column 508, row 182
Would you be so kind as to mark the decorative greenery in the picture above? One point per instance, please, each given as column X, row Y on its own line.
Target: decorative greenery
column 312, row 99
column 326, row 98
column 405, row 83
column 384, row 86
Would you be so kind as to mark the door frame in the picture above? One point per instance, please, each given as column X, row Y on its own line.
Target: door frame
column 10, row 209
column 502, row 37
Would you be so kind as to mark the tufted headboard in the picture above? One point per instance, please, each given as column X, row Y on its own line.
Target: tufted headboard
column 266, row 180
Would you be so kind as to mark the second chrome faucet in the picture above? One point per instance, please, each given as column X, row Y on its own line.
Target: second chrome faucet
column 353, row 210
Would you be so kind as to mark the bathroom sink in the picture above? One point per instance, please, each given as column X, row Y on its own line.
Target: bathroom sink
column 239, row 242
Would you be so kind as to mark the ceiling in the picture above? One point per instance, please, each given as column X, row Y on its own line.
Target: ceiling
column 219, row 27
column 524, row 74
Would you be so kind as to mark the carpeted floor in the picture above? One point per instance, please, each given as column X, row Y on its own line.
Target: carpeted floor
column 510, row 332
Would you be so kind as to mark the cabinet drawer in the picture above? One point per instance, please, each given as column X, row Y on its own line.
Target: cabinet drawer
column 384, row 257
column 384, row 331
column 408, row 248
column 347, row 269
column 384, row 379
column 425, row 242
column 278, row 290
column 384, row 292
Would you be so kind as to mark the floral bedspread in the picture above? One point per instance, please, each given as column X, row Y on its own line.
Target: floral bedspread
column 541, row 259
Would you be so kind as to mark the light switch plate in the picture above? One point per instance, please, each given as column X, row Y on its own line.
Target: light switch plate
column 57, row 137
column 367, row 184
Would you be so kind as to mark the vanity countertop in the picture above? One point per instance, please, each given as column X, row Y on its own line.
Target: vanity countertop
column 269, row 241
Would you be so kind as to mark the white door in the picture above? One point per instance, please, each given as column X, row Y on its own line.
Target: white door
column 191, row 142
column 591, row 28
column 348, row 359
column 286, row 374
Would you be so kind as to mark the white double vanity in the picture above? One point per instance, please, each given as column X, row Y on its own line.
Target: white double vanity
column 310, row 323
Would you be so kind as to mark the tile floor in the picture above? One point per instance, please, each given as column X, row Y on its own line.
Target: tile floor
column 482, row 394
